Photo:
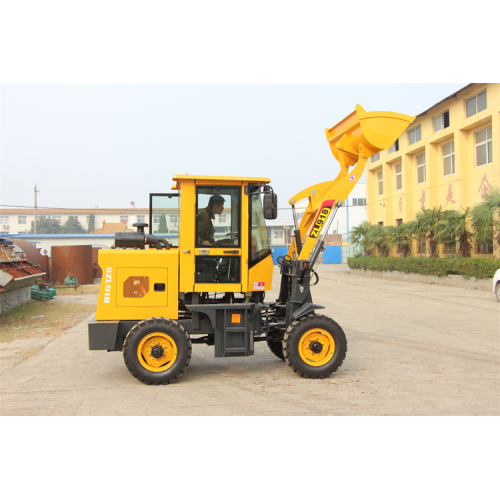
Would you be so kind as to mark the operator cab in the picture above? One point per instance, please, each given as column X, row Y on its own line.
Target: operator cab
column 218, row 225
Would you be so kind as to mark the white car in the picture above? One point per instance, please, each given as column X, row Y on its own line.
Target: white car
column 496, row 284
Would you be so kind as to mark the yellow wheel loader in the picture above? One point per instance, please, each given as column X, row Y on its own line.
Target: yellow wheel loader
column 201, row 274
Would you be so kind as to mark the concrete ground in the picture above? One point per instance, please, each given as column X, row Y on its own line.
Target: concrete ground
column 413, row 349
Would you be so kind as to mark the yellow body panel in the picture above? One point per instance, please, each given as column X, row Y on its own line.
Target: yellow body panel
column 221, row 180
column 151, row 298
column 160, row 266
column 261, row 273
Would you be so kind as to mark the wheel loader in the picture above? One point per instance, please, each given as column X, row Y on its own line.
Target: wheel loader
column 184, row 282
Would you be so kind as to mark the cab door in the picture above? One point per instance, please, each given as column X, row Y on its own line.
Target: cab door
column 211, row 237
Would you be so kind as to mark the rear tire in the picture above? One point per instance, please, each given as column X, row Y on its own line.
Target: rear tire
column 157, row 351
column 497, row 291
column 314, row 346
column 276, row 348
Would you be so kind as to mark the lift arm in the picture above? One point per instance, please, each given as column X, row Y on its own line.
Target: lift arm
column 352, row 141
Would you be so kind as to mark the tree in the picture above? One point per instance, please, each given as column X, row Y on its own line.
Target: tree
column 358, row 236
column 402, row 236
column 44, row 225
column 485, row 218
column 163, row 229
column 378, row 237
column 426, row 220
column 453, row 228
column 91, row 223
column 72, row 226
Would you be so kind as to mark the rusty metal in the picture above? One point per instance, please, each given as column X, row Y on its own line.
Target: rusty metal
column 46, row 266
column 30, row 250
column 16, row 272
column 95, row 259
column 75, row 260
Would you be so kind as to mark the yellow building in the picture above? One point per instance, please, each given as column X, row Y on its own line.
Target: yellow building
column 448, row 156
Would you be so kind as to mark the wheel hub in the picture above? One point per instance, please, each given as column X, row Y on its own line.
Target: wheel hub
column 316, row 347
column 157, row 351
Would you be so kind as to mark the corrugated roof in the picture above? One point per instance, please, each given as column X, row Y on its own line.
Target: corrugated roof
column 445, row 99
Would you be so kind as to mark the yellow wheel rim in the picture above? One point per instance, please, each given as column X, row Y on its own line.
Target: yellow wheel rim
column 157, row 352
column 316, row 347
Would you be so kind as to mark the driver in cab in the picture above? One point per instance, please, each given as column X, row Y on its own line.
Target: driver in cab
column 205, row 217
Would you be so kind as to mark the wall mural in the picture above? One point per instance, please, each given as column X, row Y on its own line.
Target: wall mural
column 422, row 199
column 484, row 186
column 449, row 198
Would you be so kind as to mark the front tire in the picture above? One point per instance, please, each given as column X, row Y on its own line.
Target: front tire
column 497, row 291
column 157, row 351
column 314, row 346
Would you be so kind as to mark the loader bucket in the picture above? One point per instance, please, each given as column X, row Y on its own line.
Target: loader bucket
column 365, row 134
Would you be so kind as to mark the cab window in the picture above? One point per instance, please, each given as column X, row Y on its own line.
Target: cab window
column 164, row 217
column 259, row 242
column 218, row 215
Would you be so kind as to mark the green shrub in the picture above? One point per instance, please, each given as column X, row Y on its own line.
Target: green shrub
column 466, row 267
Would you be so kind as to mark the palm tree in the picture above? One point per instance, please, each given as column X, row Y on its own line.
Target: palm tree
column 402, row 236
column 453, row 227
column 486, row 218
column 358, row 236
column 426, row 220
column 378, row 237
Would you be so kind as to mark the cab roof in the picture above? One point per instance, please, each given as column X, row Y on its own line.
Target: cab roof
column 217, row 179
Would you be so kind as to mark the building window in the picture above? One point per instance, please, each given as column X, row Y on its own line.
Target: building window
column 380, row 223
column 421, row 245
column 174, row 220
column 222, row 218
column 278, row 234
column 56, row 218
column 476, row 104
column 450, row 247
column 124, row 218
column 442, row 121
column 21, row 219
column 420, row 169
column 414, row 135
column 141, row 218
column 399, row 176
column 376, row 157
column 4, row 219
column 380, row 182
column 449, row 159
column 74, row 217
column 484, row 147
column 394, row 147
column 485, row 248
column 358, row 202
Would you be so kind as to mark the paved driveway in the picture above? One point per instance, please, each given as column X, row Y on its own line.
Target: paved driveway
column 413, row 349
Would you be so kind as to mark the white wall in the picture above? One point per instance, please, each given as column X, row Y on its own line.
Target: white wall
column 99, row 218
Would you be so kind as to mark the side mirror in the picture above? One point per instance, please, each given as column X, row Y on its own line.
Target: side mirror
column 270, row 206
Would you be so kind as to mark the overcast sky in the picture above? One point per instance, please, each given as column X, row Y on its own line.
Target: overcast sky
column 108, row 145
